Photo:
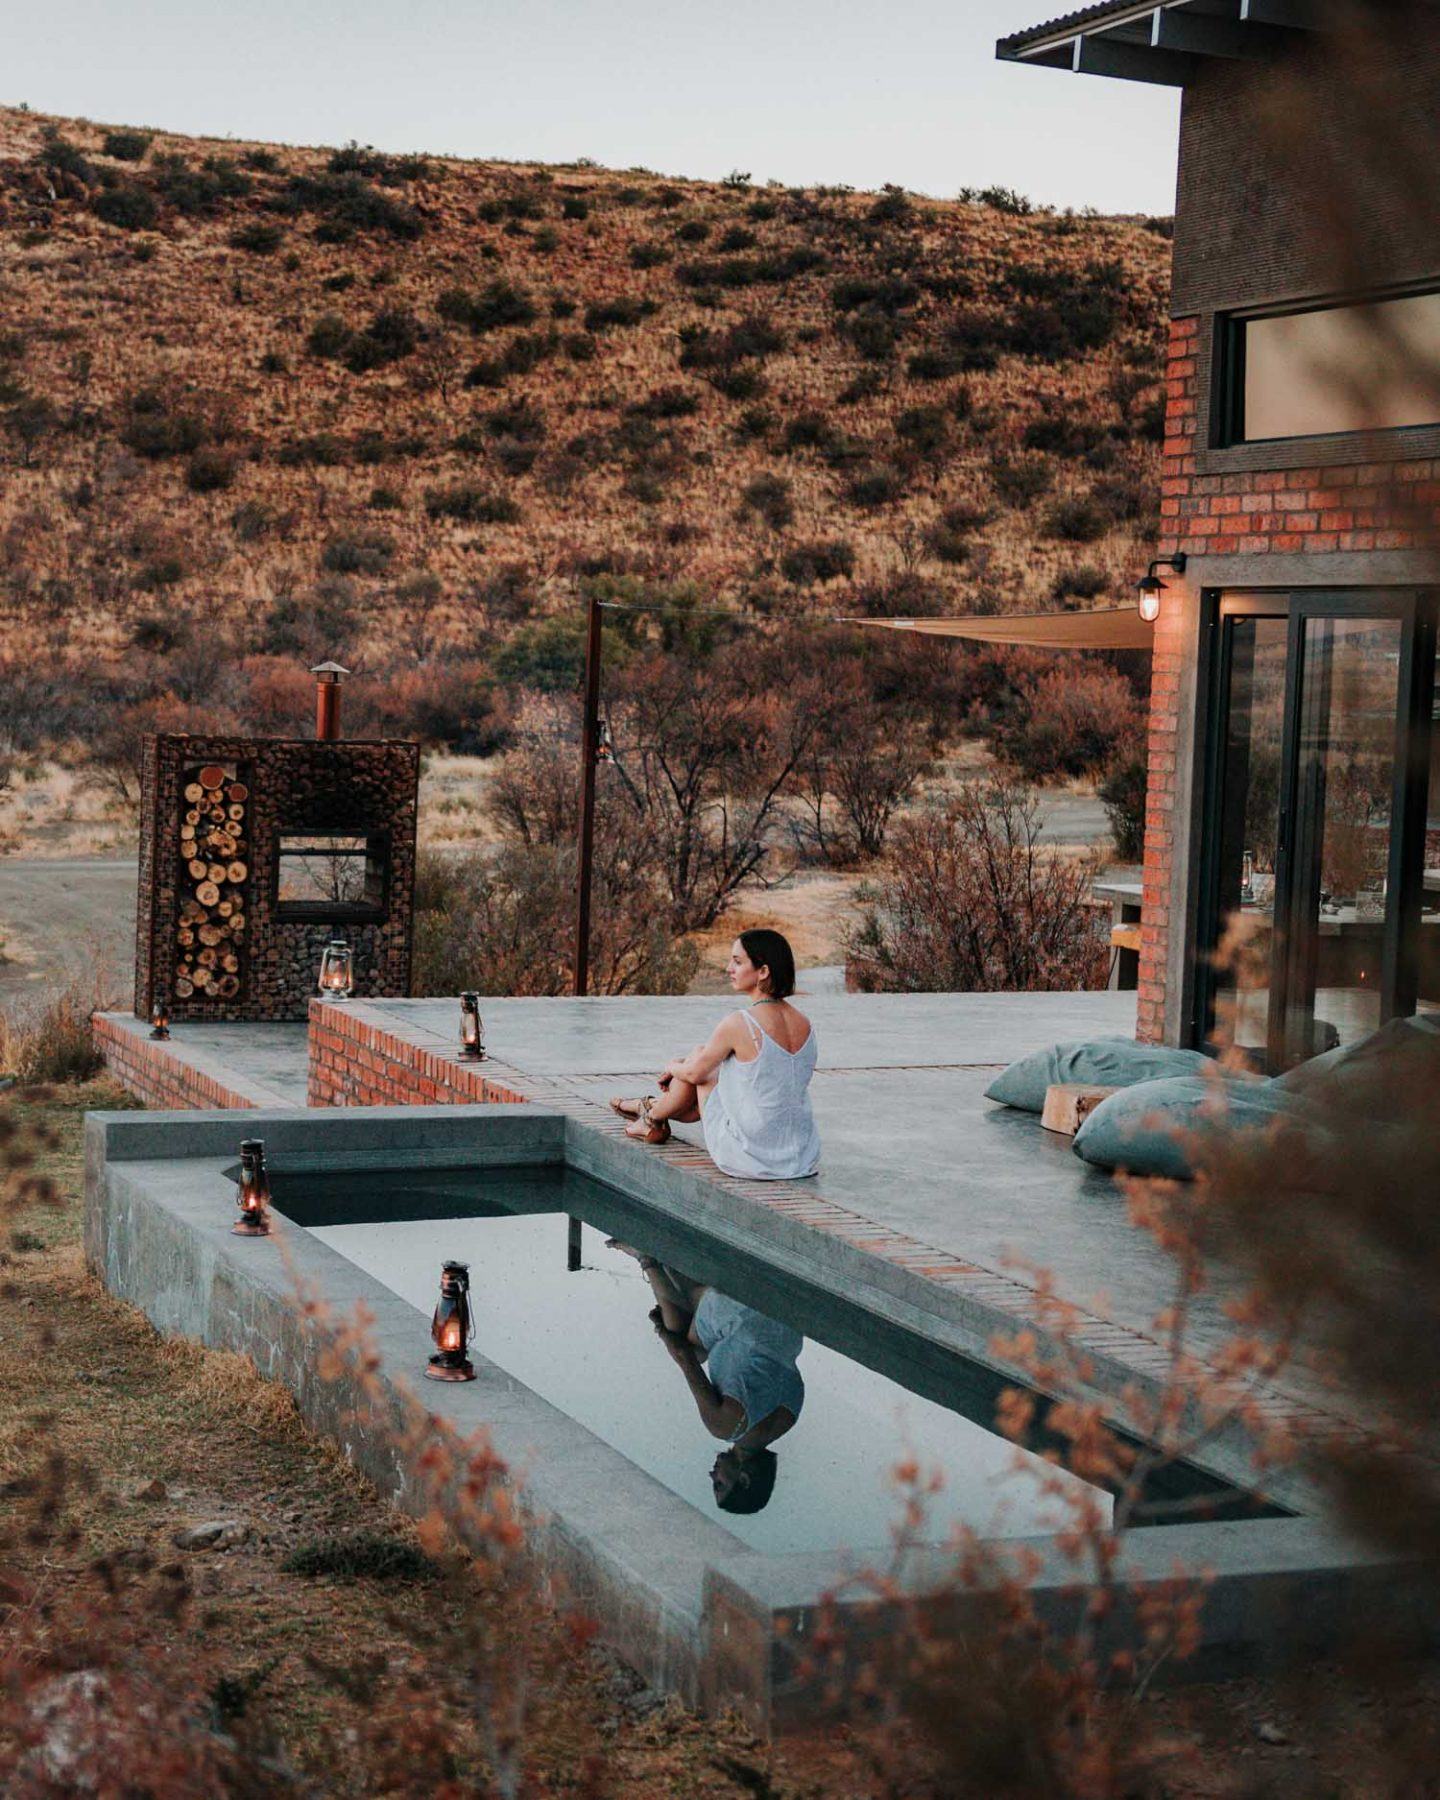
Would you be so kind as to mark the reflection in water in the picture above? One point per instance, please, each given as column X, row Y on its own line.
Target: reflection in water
column 740, row 1368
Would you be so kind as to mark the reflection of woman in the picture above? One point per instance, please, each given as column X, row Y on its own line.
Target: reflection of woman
column 748, row 1085
column 740, row 1367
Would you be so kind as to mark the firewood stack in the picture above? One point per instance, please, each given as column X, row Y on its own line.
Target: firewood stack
column 214, row 859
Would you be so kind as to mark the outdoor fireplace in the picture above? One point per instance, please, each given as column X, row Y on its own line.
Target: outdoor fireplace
column 255, row 853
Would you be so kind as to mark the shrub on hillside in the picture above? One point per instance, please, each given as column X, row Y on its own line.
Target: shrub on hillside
column 970, row 902
column 349, row 203
column 126, row 146
column 499, row 303
column 828, row 560
column 934, row 364
column 210, row 469
column 879, row 293
column 666, row 403
column 875, row 488
column 649, row 255
column 471, row 505
column 361, row 553
column 1077, row 519
column 771, row 498
column 127, row 206
column 258, row 238
column 1083, row 582
column 623, row 310
column 393, row 334
column 199, row 192
column 328, row 336
column 156, row 425
column 1020, row 480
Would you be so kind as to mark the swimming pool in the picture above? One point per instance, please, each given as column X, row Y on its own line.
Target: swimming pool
column 569, row 1317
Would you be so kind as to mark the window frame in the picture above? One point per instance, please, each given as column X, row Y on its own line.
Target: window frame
column 378, row 846
column 1227, row 376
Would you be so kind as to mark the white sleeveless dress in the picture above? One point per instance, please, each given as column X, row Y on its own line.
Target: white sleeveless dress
column 758, row 1122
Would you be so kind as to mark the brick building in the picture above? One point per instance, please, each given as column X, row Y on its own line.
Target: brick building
column 1294, row 802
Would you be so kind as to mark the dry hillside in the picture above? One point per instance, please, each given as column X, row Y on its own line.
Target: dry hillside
column 397, row 407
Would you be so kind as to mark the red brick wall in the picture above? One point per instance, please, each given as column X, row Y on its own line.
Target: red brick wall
column 1346, row 507
column 149, row 1072
column 355, row 1064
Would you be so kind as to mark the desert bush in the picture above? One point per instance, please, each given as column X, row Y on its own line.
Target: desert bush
column 751, row 338
column 925, row 429
column 736, row 237
column 970, row 902
column 574, row 206
column 880, row 293
column 393, row 334
column 622, row 310
column 894, row 206
column 211, row 468
column 1123, row 792
column 1072, row 721
column 127, row 206
column 1083, row 582
column 126, row 146
column 666, row 403
column 350, row 203
column 934, row 364
column 827, row 560
column 771, row 498
column 1077, row 519
column 875, row 488
column 873, row 333
column 361, row 553
column 649, row 255
column 499, row 303
column 329, row 336
column 1020, row 480
column 258, row 238
column 157, row 425
column 51, row 1040
column 29, row 423
column 198, row 193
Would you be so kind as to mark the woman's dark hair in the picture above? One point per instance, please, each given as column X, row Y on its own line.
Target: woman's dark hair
column 769, row 950
column 760, row 1467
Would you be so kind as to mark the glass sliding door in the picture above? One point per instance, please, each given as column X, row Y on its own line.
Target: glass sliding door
column 1341, row 904
column 1320, row 886
column 1245, row 841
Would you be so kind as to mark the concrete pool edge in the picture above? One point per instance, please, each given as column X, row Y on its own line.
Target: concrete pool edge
column 673, row 1592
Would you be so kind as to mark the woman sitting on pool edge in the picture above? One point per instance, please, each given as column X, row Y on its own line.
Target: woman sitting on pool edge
column 748, row 1085
column 740, row 1367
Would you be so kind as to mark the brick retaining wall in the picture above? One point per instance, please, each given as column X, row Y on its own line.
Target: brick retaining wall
column 356, row 1064
column 152, row 1073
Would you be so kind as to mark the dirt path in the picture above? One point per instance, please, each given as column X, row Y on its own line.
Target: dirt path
column 63, row 917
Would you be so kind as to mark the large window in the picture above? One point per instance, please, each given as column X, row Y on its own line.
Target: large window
column 1331, row 369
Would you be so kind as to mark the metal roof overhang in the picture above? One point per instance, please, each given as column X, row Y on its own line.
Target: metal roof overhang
column 1165, row 43
column 1104, row 628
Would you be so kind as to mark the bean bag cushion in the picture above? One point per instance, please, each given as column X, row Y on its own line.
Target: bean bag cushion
column 1381, row 1075
column 1146, row 1129
column 1095, row 1062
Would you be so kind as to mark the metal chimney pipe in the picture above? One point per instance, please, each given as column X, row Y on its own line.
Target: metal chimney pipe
column 328, row 676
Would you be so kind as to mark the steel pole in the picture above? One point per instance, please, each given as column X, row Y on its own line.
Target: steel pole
column 589, row 743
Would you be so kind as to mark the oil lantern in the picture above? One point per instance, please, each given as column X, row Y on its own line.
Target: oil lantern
column 472, row 1035
column 252, row 1195
column 337, row 971
column 451, row 1327
column 160, row 1022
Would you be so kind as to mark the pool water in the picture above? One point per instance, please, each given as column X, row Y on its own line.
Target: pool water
column 875, row 1395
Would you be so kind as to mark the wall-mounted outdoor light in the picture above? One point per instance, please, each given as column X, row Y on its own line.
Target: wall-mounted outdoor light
column 1151, row 587
column 451, row 1327
column 337, row 971
column 160, row 1023
column 472, row 1033
column 252, row 1194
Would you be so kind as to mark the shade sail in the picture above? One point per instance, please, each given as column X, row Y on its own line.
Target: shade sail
column 1105, row 628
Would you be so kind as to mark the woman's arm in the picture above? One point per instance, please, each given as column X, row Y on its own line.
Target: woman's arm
column 702, row 1063
column 720, row 1415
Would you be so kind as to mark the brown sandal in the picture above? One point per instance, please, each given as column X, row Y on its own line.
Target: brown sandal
column 628, row 1109
column 646, row 1130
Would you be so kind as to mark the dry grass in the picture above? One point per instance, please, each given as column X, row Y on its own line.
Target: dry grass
column 86, row 527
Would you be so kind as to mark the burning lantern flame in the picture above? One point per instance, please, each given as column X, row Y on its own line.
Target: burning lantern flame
column 160, row 1023
column 337, row 971
column 252, row 1194
column 472, row 1033
column 451, row 1327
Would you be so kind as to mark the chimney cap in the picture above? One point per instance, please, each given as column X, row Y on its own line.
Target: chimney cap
column 329, row 670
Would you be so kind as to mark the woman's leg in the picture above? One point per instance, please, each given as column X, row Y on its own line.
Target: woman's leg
column 680, row 1100
column 677, row 1294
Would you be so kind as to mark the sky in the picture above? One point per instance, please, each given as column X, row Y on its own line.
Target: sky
column 799, row 91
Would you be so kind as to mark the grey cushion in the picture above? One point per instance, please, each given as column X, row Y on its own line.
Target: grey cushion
column 1147, row 1129
column 1379, row 1075
column 1098, row 1062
